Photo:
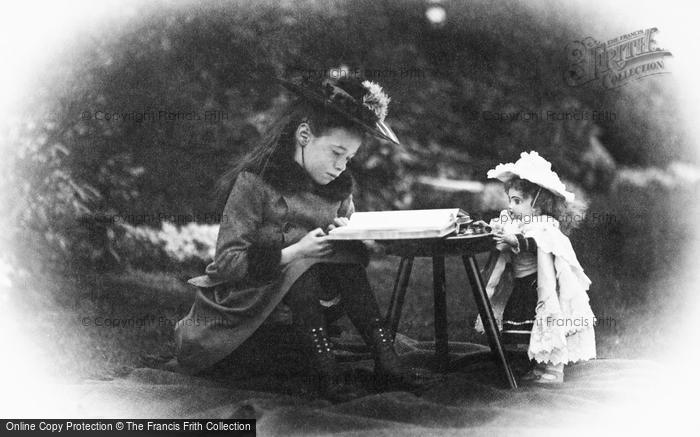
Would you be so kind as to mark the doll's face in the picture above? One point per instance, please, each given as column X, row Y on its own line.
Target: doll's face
column 326, row 156
column 520, row 205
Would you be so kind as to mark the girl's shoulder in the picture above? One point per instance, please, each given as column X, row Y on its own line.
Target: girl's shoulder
column 248, row 180
column 252, row 187
column 248, row 177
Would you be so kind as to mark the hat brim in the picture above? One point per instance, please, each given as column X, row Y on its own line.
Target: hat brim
column 380, row 129
column 510, row 171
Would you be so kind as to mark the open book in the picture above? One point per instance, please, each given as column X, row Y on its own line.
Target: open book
column 397, row 225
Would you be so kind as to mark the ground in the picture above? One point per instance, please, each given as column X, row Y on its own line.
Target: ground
column 95, row 345
column 102, row 326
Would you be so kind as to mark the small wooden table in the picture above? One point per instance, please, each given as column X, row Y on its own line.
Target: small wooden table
column 466, row 246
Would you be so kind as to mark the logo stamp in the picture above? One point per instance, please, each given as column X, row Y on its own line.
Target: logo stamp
column 615, row 62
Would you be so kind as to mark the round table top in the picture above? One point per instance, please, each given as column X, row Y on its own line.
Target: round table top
column 462, row 244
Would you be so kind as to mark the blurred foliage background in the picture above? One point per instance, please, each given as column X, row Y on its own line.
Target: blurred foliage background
column 115, row 165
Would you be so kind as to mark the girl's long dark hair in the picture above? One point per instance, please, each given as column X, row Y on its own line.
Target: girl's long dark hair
column 273, row 157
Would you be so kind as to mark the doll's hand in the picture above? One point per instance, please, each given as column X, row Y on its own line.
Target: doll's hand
column 506, row 238
column 496, row 227
column 338, row 222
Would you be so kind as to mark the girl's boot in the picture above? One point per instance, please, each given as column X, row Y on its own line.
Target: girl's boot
column 331, row 382
column 387, row 366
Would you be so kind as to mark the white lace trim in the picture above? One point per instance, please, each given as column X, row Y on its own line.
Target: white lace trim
column 560, row 339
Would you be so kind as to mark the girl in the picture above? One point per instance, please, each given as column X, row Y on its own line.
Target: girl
column 272, row 256
column 548, row 306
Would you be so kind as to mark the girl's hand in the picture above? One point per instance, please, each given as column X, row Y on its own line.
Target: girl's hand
column 509, row 239
column 313, row 244
column 338, row 222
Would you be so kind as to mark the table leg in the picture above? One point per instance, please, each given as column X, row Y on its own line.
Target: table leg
column 487, row 317
column 440, row 295
column 399, row 294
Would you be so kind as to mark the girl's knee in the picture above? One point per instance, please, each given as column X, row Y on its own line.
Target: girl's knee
column 345, row 273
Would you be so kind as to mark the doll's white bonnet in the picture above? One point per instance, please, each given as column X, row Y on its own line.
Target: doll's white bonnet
column 534, row 168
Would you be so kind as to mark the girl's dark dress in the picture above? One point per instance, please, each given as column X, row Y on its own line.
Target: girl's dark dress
column 245, row 284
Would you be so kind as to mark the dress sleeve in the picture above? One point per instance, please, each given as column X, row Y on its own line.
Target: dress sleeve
column 347, row 207
column 240, row 252
column 546, row 277
column 526, row 244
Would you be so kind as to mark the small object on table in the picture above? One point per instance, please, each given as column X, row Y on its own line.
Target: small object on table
column 475, row 228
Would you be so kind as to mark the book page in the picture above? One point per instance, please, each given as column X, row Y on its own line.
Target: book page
column 427, row 223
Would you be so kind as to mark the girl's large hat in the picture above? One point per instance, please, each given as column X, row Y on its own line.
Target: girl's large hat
column 362, row 102
column 534, row 168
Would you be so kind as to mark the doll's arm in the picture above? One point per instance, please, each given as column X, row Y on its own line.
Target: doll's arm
column 516, row 243
column 526, row 244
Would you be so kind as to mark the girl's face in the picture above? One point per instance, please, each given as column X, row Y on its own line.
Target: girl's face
column 520, row 204
column 326, row 157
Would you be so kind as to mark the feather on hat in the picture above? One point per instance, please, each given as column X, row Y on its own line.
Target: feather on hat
column 362, row 102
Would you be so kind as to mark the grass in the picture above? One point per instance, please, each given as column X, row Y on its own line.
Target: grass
column 102, row 326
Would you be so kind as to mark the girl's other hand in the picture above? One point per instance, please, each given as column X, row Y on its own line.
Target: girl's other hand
column 314, row 244
column 338, row 222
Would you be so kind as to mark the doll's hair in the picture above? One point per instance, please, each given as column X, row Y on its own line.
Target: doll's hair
column 273, row 157
column 569, row 214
